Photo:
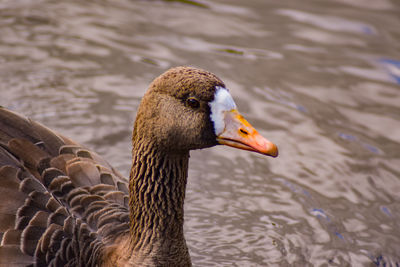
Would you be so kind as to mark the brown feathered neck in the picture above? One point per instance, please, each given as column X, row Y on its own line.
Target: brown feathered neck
column 157, row 191
column 166, row 128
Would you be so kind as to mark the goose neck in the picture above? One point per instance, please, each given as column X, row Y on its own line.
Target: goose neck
column 157, row 191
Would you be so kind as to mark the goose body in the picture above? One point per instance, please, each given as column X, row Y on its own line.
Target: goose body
column 63, row 205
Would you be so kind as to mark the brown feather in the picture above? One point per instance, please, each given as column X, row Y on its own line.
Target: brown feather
column 31, row 160
column 11, row 237
column 83, row 174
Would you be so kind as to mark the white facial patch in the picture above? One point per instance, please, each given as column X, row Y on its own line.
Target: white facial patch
column 222, row 102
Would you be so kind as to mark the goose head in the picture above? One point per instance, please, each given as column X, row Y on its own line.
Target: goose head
column 187, row 108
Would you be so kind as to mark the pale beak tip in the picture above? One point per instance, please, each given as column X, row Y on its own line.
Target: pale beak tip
column 271, row 150
column 274, row 151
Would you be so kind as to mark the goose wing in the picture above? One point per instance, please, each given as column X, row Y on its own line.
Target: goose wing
column 60, row 204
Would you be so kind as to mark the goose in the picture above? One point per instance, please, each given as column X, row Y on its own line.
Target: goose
column 64, row 205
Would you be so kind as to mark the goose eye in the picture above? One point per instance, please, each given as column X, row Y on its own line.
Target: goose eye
column 193, row 102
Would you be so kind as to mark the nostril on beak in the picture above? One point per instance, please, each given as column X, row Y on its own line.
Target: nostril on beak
column 243, row 131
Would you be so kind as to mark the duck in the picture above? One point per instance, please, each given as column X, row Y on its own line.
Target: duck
column 62, row 204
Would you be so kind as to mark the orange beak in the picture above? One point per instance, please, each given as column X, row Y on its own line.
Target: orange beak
column 240, row 134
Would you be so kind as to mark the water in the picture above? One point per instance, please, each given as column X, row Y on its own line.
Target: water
column 319, row 78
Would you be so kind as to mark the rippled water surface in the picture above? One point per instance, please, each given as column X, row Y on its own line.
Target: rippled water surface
column 319, row 78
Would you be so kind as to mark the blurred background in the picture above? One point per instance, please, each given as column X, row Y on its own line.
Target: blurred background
column 319, row 78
